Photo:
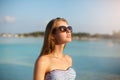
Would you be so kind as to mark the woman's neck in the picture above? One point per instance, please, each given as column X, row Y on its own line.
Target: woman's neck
column 58, row 52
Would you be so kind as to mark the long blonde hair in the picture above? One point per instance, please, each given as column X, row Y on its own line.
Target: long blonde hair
column 49, row 43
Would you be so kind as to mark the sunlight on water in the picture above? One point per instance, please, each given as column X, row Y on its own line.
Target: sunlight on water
column 92, row 60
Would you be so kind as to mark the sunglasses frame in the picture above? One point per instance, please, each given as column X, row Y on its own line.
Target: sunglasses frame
column 62, row 29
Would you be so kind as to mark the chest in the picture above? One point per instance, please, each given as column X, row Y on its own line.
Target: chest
column 57, row 63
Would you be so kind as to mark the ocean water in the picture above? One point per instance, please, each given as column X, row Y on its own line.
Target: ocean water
column 92, row 60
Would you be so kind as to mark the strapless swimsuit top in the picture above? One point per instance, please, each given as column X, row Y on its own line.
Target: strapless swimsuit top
column 58, row 74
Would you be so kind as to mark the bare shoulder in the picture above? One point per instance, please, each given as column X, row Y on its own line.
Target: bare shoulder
column 41, row 67
column 69, row 58
column 43, row 60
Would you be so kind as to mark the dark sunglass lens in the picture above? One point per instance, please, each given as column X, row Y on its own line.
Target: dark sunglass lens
column 63, row 28
column 70, row 28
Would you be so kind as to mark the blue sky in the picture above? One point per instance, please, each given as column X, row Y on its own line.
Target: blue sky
column 92, row 16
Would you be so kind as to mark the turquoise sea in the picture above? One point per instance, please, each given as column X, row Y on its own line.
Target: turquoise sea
column 92, row 59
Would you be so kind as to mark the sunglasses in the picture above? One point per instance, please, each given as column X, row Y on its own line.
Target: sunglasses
column 62, row 29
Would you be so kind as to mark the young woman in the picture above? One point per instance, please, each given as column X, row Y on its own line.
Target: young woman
column 53, row 64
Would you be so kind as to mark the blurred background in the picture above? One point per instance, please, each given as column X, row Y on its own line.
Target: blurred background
column 95, row 48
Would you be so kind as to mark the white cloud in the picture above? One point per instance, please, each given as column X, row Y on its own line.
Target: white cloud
column 7, row 19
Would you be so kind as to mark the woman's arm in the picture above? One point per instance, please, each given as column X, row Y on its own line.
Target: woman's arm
column 41, row 67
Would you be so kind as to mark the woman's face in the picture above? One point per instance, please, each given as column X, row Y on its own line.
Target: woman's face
column 62, row 37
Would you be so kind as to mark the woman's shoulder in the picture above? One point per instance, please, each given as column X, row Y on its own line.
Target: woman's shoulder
column 69, row 58
column 43, row 61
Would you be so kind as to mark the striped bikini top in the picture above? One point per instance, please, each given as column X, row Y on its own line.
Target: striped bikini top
column 58, row 74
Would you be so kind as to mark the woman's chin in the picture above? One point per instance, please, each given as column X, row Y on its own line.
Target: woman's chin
column 69, row 40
